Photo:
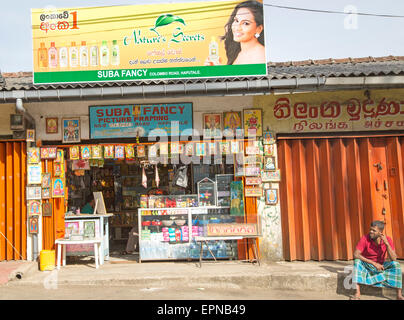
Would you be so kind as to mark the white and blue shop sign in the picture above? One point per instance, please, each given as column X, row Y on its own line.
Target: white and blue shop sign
column 140, row 120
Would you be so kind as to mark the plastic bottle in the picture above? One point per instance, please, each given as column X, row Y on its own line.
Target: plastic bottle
column 73, row 55
column 83, row 54
column 104, row 54
column 214, row 50
column 115, row 58
column 43, row 56
column 94, row 54
column 53, row 56
column 63, row 57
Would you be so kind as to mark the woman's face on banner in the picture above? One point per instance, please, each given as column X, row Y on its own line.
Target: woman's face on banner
column 244, row 26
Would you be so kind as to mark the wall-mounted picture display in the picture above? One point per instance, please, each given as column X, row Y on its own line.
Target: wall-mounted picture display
column 269, row 137
column 141, row 151
column 253, row 159
column 271, row 196
column 224, row 147
column 47, row 209
column 236, row 198
column 234, row 146
column 189, row 149
column 119, row 152
column 252, row 170
column 212, row 147
column 34, row 193
column 250, row 181
column 60, row 155
column 85, row 152
column 58, row 188
column 58, row 169
column 108, row 152
column 46, row 194
column 81, row 165
column 271, row 176
column 252, row 122
column 238, row 166
column 269, row 163
column 200, row 149
column 52, row 125
column 269, row 149
column 74, row 153
column 163, row 148
column 152, row 151
column 48, row 153
column 129, row 152
column 34, row 173
column 46, row 180
column 33, row 155
column 232, row 123
column 71, row 130
column 72, row 228
column 33, row 224
column 96, row 152
column 253, row 191
column 212, row 125
column 175, row 148
column 30, row 135
column 34, row 207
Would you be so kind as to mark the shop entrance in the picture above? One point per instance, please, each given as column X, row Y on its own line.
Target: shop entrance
column 333, row 188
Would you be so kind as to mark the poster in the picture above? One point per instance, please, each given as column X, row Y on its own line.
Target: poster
column 236, row 198
column 33, row 155
column 74, row 153
column 142, row 42
column 109, row 152
column 34, row 207
column 71, row 130
column 212, row 125
column 271, row 196
column 46, row 180
column 143, row 120
column 232, row 123
column 48, row 153
column 96, row 152
column 33, row 193
column 85, row 152
column 51, row 125
column 34, row 173
column 252, row 122
column 58, row 188
column 33, row 225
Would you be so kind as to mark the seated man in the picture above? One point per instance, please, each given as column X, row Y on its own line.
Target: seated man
column 89, row 206
column 370, row 267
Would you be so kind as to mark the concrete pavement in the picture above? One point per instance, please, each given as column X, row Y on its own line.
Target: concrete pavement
column 325, row 276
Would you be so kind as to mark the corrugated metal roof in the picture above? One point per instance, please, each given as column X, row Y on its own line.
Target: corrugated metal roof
column 349, row 67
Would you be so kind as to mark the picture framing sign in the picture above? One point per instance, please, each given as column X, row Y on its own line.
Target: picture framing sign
column 170, row 41
column 147, row 120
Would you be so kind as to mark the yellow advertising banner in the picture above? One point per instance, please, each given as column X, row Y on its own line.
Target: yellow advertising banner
column 159, row 41
column 359, row 110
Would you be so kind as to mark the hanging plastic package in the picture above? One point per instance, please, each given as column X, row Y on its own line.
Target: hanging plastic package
column 144, row 179
column 157, row 177
column 181, row 177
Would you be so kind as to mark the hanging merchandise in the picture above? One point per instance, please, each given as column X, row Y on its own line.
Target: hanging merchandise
column 96, row 152
column 181, row 177
column 157, row 177
column 74, row 153
column 129, row 151
column 144, row 178
column 119, row 152
column 85, row 152
column 108, row 152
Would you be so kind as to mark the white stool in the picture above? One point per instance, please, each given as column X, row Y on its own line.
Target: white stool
column 61, row 243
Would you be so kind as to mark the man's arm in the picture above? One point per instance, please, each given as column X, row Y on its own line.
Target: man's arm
column 390, row 250
column 358, row 255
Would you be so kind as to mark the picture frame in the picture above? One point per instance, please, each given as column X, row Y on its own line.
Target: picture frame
column 34, row 173
column 46, row 193
column 212, row 147
column 52, row 125
column 129, row 152
column 72, row 228
column 71, row 130
column 33, row 155
column 33, row 224
column 234, row 146
column 253, row 191
column 212, row 125
column 271, row 196
column 119, row 152
column 252, row 170
column 189, row 149
column 175, row 147
column 232, row 123
column 74, row 153
column 46, row 180
column 85, row 152
column 250, row 181
column 60, row 156
column 96, row 152
column 252, row 119
column 271, row 176
column 30, row 137
column 58, row 169
column 80, row 165
column 34, row 193
column 200, row 149
column 89, row 229
column 109, row 152
column 237, row 198
column 268, row 138
column 238, row 166
column 141, row 151
column 34, row 207
column 269, row 149
column 163, row 148
column 58, row 188
column 47, row 209
column 269, row 163
column 224, row 147
column 152, row 151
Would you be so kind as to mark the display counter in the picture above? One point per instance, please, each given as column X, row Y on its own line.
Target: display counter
column 168, row 233
column 87, row 226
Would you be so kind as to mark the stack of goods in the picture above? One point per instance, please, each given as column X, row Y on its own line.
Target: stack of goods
column 184, row 234
column 145, row 235
column 166, row 237
column 195, row 231
column 171, row 234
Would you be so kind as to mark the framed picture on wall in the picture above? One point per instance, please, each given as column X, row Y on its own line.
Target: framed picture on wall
column 58, row 188
column 71, row 130
column 30, row 135
column 252, row 122
column 269, row 163
column 47, row 209
column 271, row 196
column 212, row 125
column 232, row 123
column 46, row 194
column 269, row 137
column 34, row 173
column 33, row 155
column 52, row 125
column 33, row 225
column 34, row 207
column 34, row 193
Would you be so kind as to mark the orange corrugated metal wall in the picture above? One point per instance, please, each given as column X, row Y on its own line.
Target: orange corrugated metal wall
column 333, row 188
column 13, row 212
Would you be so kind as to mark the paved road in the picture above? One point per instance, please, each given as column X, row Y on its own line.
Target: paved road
column 13, row 292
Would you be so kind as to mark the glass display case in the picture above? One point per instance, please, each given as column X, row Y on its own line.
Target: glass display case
column 223, row 189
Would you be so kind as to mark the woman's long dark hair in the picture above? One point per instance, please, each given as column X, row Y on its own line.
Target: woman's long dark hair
column 233, row 48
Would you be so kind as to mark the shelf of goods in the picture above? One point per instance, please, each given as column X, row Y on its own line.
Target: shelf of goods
column 168, row 233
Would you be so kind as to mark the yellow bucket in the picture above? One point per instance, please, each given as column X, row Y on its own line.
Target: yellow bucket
column 47, row 260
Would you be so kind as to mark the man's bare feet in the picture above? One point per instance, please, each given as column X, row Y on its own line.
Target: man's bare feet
column 400, row 298
column 355, row 297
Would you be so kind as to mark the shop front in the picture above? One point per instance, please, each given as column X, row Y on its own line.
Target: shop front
column 340, row 157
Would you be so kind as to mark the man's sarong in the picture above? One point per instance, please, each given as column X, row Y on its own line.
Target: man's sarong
column 366, row 273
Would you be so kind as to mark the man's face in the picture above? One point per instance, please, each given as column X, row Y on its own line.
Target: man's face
column 374, row 233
